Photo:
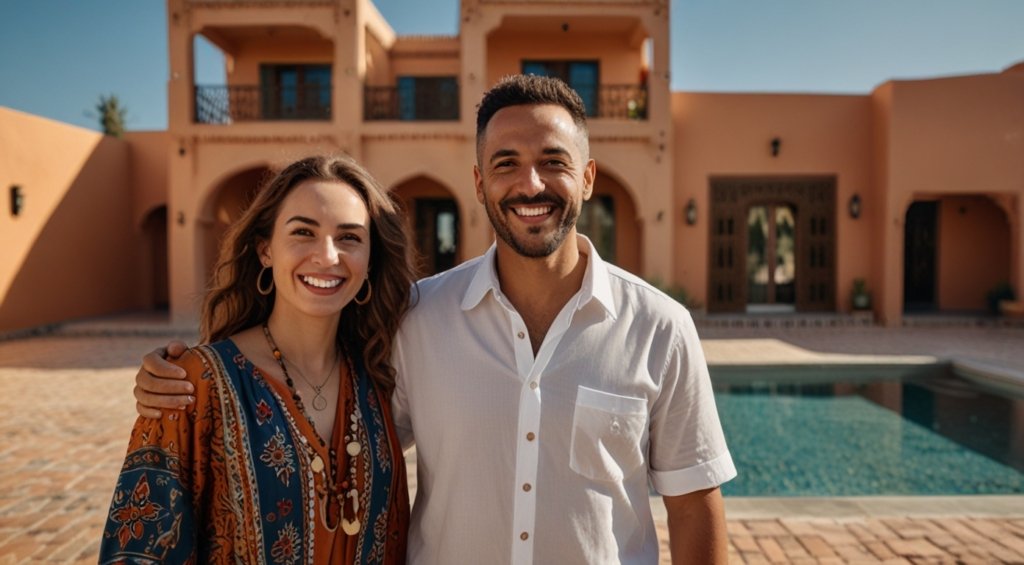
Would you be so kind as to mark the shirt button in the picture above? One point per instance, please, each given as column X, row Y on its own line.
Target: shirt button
column 520, row 335
column 527, row 487
column 530, row 436
column 533, row 384
column 524, row 536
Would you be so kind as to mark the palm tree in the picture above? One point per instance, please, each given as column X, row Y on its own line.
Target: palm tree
column 111, row 115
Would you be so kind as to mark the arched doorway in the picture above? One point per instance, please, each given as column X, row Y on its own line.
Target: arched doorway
column 224, row 205
column 154, row 237
column 956, row 249
column 609, row 219
column 434, row 220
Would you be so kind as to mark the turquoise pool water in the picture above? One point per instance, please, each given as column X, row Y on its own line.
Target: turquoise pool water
column 933, row 437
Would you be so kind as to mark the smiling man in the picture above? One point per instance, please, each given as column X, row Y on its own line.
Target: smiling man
column 545, row 389
column 544, row 386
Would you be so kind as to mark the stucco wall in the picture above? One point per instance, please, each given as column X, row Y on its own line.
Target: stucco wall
column 951, row 136
column 74, row 250
column 730, row 134
column 973, row 251
column 619, row 61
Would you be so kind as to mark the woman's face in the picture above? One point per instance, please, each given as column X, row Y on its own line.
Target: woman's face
column 320, row 248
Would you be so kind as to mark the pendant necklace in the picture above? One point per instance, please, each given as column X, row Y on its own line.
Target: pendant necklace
column 319, row 402
column 332, row 492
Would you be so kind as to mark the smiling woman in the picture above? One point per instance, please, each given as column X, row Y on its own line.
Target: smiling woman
column 291, row 422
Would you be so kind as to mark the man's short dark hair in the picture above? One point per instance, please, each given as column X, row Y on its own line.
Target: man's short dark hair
column 519, row 90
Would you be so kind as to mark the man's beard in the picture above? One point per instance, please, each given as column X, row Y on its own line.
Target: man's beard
column 499, row 215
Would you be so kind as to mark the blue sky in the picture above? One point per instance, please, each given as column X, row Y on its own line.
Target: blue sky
column 58, row 56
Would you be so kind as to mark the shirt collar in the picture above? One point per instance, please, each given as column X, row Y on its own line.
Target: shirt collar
column 596, row 282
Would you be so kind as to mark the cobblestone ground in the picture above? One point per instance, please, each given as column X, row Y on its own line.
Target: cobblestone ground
column 66, row 412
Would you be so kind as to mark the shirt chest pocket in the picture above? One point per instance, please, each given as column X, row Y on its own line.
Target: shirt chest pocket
column 606, row 433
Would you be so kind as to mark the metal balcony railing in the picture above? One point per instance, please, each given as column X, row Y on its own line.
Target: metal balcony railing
column 620, row 101
column 227, row 104
column 392, row 103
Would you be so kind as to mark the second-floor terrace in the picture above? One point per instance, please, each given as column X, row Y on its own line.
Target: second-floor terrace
column 305, row 72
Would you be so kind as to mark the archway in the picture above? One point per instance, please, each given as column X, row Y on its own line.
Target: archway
column 434, row 220
column 956, row 249
column 609, row 219
column 224, row 205
column 154, row 252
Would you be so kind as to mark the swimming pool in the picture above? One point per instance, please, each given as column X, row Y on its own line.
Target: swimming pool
column 939, row 435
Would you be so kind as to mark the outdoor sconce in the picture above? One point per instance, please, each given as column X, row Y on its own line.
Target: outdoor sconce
column 17, row 200
column 855, row 206
column 776, row 143
column 691, row 212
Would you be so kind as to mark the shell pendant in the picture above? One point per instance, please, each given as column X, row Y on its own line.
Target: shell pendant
column 350, row 527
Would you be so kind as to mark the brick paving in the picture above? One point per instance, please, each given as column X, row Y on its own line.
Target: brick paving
column 66, row 412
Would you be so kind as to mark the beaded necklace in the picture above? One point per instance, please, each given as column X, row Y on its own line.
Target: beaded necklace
column 330, row 492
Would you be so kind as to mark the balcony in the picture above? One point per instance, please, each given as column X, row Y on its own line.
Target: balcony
column 227, row 104
column 617, row 102
column 414, row 99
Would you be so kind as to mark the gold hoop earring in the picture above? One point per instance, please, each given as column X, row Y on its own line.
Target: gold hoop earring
column 369, row 293
column 259, row 280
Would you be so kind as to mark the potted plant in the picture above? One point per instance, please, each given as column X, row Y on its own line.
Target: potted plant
column 999, row 293
column 860, row 296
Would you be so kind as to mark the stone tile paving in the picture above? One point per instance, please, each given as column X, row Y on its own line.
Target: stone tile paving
column 66, row 412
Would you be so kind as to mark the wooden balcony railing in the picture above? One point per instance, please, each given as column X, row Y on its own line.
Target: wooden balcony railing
column 226, row 104
column 393, row 103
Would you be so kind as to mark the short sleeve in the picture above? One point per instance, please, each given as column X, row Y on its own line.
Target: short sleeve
column 687, row 450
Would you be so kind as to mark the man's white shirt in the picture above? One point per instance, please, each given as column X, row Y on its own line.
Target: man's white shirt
column 547, row 458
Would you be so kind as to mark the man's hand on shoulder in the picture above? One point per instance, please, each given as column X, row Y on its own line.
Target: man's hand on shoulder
column 160, row 384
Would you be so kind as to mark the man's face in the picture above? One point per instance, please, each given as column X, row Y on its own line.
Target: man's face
column 532, row 177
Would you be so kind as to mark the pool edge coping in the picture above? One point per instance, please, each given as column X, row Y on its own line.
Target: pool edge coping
column 859, row 507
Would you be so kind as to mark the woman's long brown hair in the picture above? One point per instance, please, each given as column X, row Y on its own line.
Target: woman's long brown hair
column 232, row 304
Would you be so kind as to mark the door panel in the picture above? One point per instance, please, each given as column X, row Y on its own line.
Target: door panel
column 802, row 246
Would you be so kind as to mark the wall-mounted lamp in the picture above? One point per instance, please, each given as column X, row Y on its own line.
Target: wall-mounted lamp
column 691, row 212
column 776, row 144
column 17, row 200
column 855, row 206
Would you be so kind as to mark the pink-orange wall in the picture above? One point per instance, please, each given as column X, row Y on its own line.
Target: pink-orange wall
column 74, row 250
column 149, row 152
column 426, row 56
column 247, row 61
column 950, row 136
column 730, row 135
column 973, row 251
column 619, row 61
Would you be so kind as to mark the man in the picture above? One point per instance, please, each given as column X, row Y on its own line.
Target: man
column 544, row 387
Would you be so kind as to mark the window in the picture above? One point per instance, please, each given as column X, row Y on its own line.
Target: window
column 295, row 92
column 428, row 98
column 582, row 76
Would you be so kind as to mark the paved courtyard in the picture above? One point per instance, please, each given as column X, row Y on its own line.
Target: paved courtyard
column 66, row 411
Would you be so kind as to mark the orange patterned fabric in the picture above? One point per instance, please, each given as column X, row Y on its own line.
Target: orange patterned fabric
column 229, row 480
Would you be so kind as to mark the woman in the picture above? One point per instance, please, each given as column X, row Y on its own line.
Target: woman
column 288, row 454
